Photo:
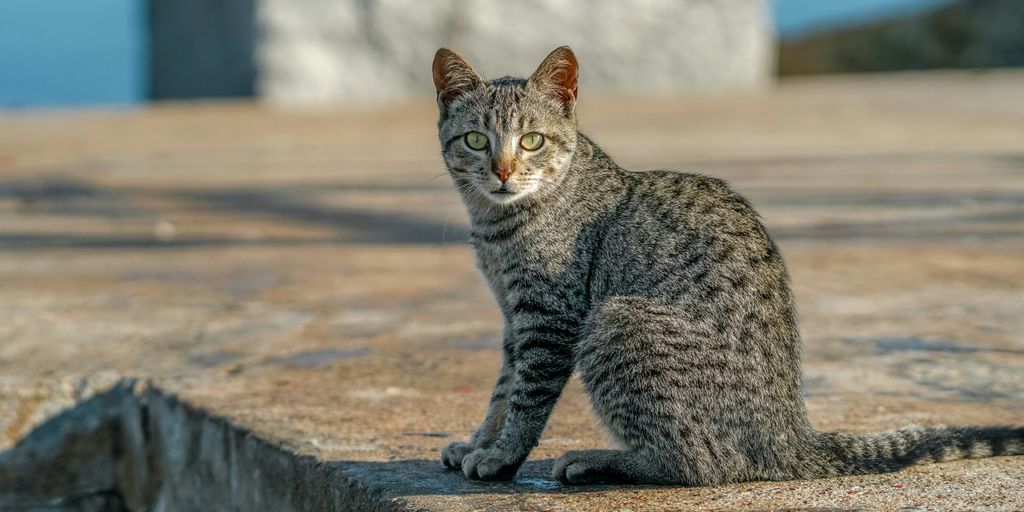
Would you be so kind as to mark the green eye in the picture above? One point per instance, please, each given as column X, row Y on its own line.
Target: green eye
column 532, row 141
column 476, row 140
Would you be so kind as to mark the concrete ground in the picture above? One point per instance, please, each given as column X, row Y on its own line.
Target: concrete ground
column 293, row 302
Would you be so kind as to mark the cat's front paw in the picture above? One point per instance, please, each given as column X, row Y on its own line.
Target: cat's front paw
column 490, row 464
column 452, row 455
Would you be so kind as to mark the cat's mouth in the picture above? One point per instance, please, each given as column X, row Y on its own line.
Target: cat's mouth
column 503, row 195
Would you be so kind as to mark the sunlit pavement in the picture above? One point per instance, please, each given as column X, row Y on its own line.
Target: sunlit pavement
column 306, row 277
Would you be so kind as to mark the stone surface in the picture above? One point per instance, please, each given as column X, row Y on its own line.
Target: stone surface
column 293, row 303
column 321, row 51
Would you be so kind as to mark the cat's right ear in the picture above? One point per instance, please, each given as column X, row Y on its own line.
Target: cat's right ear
column 453, row 76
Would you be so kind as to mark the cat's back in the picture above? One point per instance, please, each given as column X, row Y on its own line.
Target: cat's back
column 690, row 204
column 683, row 227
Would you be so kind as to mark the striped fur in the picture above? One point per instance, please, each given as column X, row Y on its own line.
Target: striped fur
column 662, row 289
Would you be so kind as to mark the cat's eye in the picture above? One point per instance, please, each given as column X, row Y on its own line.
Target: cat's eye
column 476, row 140
column 532, row 141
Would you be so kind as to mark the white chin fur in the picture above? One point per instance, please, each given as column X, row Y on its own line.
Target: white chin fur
column 504, row 198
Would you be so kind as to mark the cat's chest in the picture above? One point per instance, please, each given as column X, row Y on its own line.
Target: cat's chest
column 507, row 264
column 525, row 268
column 534, row 255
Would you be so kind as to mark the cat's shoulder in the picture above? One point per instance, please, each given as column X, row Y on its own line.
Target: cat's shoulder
column 688, row 193
column 681, row 182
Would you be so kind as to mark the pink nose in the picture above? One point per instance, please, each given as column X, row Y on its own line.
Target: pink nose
column 503, row 174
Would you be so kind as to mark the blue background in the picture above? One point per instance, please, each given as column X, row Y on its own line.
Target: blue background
column 93, row 52
column 72, row 52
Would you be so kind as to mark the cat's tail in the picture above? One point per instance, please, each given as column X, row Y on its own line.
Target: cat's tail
column 852, row 454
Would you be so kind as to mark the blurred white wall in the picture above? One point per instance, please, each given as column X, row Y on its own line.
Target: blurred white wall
column 326, row 51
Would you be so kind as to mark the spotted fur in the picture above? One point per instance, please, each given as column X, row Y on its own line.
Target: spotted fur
column 662, row 289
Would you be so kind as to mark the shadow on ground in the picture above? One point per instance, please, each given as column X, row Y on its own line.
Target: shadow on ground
column 905, row 214
column 239, row 207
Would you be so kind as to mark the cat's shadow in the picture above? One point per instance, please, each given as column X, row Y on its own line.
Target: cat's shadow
column 429, row 477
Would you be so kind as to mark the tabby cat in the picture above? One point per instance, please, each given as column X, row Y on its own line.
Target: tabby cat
column 662, row 289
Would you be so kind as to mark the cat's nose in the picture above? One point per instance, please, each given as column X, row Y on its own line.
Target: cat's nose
column 503, row 170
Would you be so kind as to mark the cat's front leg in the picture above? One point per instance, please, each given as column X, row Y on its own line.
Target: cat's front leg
column 542, row 364
column 490, row 429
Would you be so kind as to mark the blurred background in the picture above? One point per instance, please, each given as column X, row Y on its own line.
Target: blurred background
column 127, row 52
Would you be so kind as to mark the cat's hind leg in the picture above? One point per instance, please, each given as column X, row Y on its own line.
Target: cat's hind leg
column 656, row 377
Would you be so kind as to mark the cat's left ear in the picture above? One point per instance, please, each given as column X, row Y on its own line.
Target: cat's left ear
column 453, row 76
column 557, row 77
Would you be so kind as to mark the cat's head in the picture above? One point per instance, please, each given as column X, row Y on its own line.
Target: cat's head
column 508, row 138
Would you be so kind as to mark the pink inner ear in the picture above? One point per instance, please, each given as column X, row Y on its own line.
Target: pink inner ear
column 452, row 75
column 557, row 75
column 447, row 83
column 565, row 77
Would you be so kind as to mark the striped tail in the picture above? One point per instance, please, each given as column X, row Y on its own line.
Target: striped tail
column 882, row 452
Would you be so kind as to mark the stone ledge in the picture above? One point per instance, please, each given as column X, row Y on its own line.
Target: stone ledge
column 138, row 446
column 135, row 446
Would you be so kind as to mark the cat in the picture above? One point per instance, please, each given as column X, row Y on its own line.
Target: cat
column 662, row 289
